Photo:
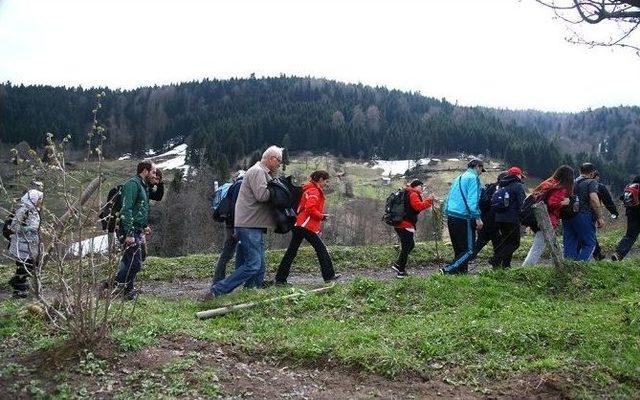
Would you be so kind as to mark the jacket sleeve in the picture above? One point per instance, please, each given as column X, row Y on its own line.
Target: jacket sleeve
column 472, row 194
column 605, row 197
column 129, row 191
column 258, row 184
column 417, row 204
column 312, row 204
column 555, row 199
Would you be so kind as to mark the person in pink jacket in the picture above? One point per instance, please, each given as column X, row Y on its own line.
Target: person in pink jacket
column 308, row 226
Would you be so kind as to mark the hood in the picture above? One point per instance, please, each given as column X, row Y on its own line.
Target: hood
column 31, row 198
column 508, row 180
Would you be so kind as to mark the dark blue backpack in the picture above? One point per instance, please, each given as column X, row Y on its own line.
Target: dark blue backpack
column 500, row 199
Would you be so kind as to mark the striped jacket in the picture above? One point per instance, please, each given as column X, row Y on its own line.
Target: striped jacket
column 311, row 208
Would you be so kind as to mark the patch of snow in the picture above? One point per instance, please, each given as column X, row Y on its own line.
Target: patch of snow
column 98, row 244
column 453, row 159
column 150, row 152
column 125, row 156
column 173, row 159
column 397, row 167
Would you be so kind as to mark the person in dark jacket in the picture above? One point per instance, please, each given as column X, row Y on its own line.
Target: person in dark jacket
column 230, row 239
column 308, row 226
column 489, row 232
column 406, row 229
column 508, row 218
column 607, row 201
column 633, row 230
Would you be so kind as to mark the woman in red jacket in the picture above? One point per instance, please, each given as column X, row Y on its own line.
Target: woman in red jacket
column 407, row 228
column 308, row 226
column 556, row 191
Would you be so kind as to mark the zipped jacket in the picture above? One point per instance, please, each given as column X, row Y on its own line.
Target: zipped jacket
column 134, row 214
column 311, row 208
column 467, row 185
column 413, row 206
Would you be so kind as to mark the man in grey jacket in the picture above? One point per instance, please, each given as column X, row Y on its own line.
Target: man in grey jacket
column 253, row 216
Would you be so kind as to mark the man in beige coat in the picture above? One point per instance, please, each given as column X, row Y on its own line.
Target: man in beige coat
column 253, row 216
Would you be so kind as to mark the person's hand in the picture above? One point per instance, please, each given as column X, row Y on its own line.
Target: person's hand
column 129, row 240
column 565, row 202
column 479, row 224
column 600, row 222
column 325, row 217
column 147, row 231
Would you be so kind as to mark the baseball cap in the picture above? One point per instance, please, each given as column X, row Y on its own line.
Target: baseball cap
column 515, row 171
column 476, row 162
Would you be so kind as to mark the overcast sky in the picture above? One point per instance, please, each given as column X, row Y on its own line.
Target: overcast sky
column 499, row 53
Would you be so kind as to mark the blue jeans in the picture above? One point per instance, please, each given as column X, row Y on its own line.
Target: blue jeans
column 250, row 262
column 131, row 263
column 579, row 236
column 228, row 250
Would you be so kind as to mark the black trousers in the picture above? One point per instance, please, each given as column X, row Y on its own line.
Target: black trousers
column 407, row 244
column 488, row 233
column 509, row 243
column 627, row 241
column 297, row 235
column 19, row 281
column 463, row 238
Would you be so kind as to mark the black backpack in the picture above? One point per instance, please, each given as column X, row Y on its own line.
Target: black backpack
column 395, row 208
column 110, row 210
column 485, row 197
column 500, row 199
column 284, row 197
column 527, row 217
column 6, row 227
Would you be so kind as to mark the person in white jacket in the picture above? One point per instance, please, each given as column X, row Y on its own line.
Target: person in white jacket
column 25, row 240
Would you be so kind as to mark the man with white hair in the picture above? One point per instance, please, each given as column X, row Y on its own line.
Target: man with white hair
column 253, row 216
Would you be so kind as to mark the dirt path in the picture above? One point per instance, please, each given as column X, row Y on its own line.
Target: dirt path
column 185, row 289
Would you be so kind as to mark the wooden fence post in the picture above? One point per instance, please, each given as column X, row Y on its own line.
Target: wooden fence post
column 544, row 223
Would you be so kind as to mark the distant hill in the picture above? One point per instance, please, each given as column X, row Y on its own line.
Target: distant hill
column 225, row 121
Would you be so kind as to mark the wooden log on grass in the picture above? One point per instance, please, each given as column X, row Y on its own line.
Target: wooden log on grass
column 544, row 223
column 216, row 312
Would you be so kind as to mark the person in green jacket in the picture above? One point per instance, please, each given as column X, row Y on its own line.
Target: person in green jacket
column 134, row 219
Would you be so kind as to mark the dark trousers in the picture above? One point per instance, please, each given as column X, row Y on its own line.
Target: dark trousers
column 463, row 238
column 130, row 264
column 19, row 281
column 297, row 234
column 406, row 246
column 488, row 233
column 627, row 241
column 228, row 250
column 509, row 243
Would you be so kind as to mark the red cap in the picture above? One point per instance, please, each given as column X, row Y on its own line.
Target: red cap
column 515, row 171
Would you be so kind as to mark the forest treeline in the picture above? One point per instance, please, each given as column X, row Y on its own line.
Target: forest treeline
column 225, row 121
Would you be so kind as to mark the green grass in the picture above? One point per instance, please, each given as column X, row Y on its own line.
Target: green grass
column 584, row 323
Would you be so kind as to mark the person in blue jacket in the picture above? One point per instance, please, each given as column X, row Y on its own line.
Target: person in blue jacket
column 463, row 216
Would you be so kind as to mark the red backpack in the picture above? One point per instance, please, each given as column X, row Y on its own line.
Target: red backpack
column 631, row 197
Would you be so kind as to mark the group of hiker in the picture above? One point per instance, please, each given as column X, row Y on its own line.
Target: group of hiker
column 259, row 201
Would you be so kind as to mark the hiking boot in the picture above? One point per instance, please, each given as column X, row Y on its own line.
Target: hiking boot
column 615, row 257
column 334, row 279
column 209, row 295
column 598, row 257
column 281, row 284
column 20, row 294
column 401, row 274
column 130, row 296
